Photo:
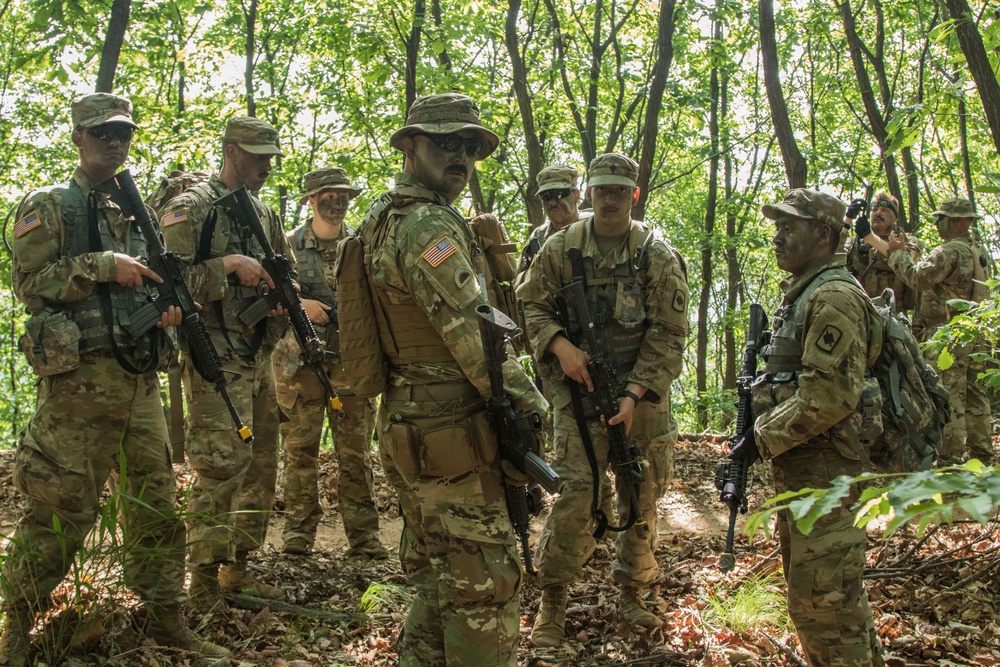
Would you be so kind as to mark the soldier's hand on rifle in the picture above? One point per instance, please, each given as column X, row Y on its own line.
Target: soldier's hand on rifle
column 247, row 269
column 572, row 359
column 129, row 271
column 626, row 406
column 863, row 227
column 512, row 476
column 746, row 448
column 317, row 311
column 171, row 318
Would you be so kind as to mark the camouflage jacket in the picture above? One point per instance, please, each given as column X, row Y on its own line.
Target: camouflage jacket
column 871, row 267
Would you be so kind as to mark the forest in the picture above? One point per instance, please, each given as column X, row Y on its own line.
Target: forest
column 725, row 105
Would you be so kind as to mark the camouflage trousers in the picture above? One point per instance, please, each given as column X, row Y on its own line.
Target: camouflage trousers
column 303, row 404
column 567, row 540
column 233, row 491
column 970, row 429
column 92, row 423
column 827, row 600
column 457, row 546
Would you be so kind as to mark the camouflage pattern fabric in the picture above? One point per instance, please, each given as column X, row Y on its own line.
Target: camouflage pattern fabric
column 871, row 267
column 808, row 428
column 233, row 492
column 968, row 434
column 457, row 547
column 567, row 540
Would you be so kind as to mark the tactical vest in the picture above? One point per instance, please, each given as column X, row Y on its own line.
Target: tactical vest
column 871, row 268
column 88, row 313
column 312, row 280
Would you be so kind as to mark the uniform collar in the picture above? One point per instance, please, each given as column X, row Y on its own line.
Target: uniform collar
column 793, row 286
column 310, row 240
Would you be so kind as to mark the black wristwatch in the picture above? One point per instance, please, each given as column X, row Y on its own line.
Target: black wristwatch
column 626, row 393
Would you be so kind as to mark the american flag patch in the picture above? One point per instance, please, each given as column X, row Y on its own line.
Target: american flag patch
column 180, row 215
column 26, row 224
column 439, row 252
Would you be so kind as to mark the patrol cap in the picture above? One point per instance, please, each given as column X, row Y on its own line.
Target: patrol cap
column 613, row 169
column 445, row 113
column 809, row 204
column 252, row 135
column 100, row 108
column 558, row 177
column 957, row 207
column 330, row 178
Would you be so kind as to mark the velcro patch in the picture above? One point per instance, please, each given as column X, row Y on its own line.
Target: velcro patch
column 26, row 224
column 440, row 251
column 174, row 217
column 828, row 340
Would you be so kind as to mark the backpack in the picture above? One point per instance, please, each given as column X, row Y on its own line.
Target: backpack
column 915, row 405
column 171, row 185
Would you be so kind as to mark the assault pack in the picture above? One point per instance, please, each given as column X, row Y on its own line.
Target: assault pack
column 172, row 185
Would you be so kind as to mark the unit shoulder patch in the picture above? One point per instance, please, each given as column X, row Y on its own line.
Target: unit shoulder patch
column 829, row 338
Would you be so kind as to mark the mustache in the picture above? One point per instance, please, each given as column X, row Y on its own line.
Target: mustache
column 458, row 168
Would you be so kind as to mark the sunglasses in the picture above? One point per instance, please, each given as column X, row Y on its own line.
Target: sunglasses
column 112, row 131
column 452, row 142
column 553, row 195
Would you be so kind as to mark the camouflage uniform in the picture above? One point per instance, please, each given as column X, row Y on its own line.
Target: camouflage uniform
column 457, row 547
column 871, row 268
column 304, row 405
column 951, row 271
column 808, row 419
column 233, row 492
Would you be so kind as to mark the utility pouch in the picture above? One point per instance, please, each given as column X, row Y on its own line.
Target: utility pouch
column 446, row 446
column 51, row 343
column 871, row 410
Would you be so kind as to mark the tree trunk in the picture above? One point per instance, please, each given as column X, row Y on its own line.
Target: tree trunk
column 796, row 169
column 250, row 51
column 650, row 124
column 113, row 45
column 413, row 51
column 732, row 261
column 979, row 64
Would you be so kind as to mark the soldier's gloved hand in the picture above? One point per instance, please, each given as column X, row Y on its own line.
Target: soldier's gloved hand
column 863, row 226
column 512, row 476
column 854, row 208
column 746, row 448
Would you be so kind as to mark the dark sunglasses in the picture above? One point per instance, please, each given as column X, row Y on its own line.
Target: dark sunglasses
column 552, row 195
column 112, row 131
column 452, row 142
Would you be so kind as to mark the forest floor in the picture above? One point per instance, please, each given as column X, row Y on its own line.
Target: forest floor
column 935, row 598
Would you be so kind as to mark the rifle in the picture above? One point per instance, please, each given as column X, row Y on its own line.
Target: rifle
column 515, row 431
column 731, row 474
column 240, row 207
column 625, row 459
column 173, row 291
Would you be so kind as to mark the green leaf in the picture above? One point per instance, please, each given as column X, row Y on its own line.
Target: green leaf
column 945, row 360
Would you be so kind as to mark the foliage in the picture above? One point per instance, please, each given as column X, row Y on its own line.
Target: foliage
column 758, row 603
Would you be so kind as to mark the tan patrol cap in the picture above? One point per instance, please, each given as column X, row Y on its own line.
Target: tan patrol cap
column 252, row 135
column 811, row 205
column 613, row 169
column 957, row 207
column 100, row 108
column 558, row 177
column 445, row 113
column 330, row 178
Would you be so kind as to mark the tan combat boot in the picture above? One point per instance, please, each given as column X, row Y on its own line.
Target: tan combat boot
column 235, row 577
column 370, row 550
column 632, row 609
column 549, row 629
column 204, row 594
column 19, row 619
column 166, row 627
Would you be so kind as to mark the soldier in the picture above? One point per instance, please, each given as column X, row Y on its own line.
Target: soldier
column 557, row 188
column 303, row 400
column 954, row 270
column 867, row 253
column 233, row 491
column 637, row 294
column 436, row 446
column 77, row 267
column 807, row 400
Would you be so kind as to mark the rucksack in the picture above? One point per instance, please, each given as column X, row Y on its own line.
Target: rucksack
column 171, row 185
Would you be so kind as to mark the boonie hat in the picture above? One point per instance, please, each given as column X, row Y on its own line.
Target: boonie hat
column 330, row 178
column 445, row 113
column 100, row 108
column 252, row 135
column 809, row 204
column 613, row 169
column 957, row 207
column 558, row 177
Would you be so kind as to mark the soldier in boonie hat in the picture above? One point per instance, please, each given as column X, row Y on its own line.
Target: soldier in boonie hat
column 252, row 135
column 445, row 113
column 613, row 169
column 557, row 177
column 101, row 108
column 809, row 204
column 957, row 207
column 330, row 178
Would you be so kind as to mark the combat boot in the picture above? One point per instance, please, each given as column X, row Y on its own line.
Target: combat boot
column 372, row 550
column 632, row 609
column 166, row 627
column 235, row 577
column 204, row 594
column 19, row 619
column 550, row 623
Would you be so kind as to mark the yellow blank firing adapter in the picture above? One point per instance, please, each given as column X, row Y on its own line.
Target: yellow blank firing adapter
column 245, row 435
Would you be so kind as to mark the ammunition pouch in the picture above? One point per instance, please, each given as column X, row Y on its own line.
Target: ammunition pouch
column 446, row 446
column 51, row 343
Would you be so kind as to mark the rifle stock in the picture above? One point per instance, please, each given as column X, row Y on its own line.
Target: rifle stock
column 173, row 291
column 240, row 207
